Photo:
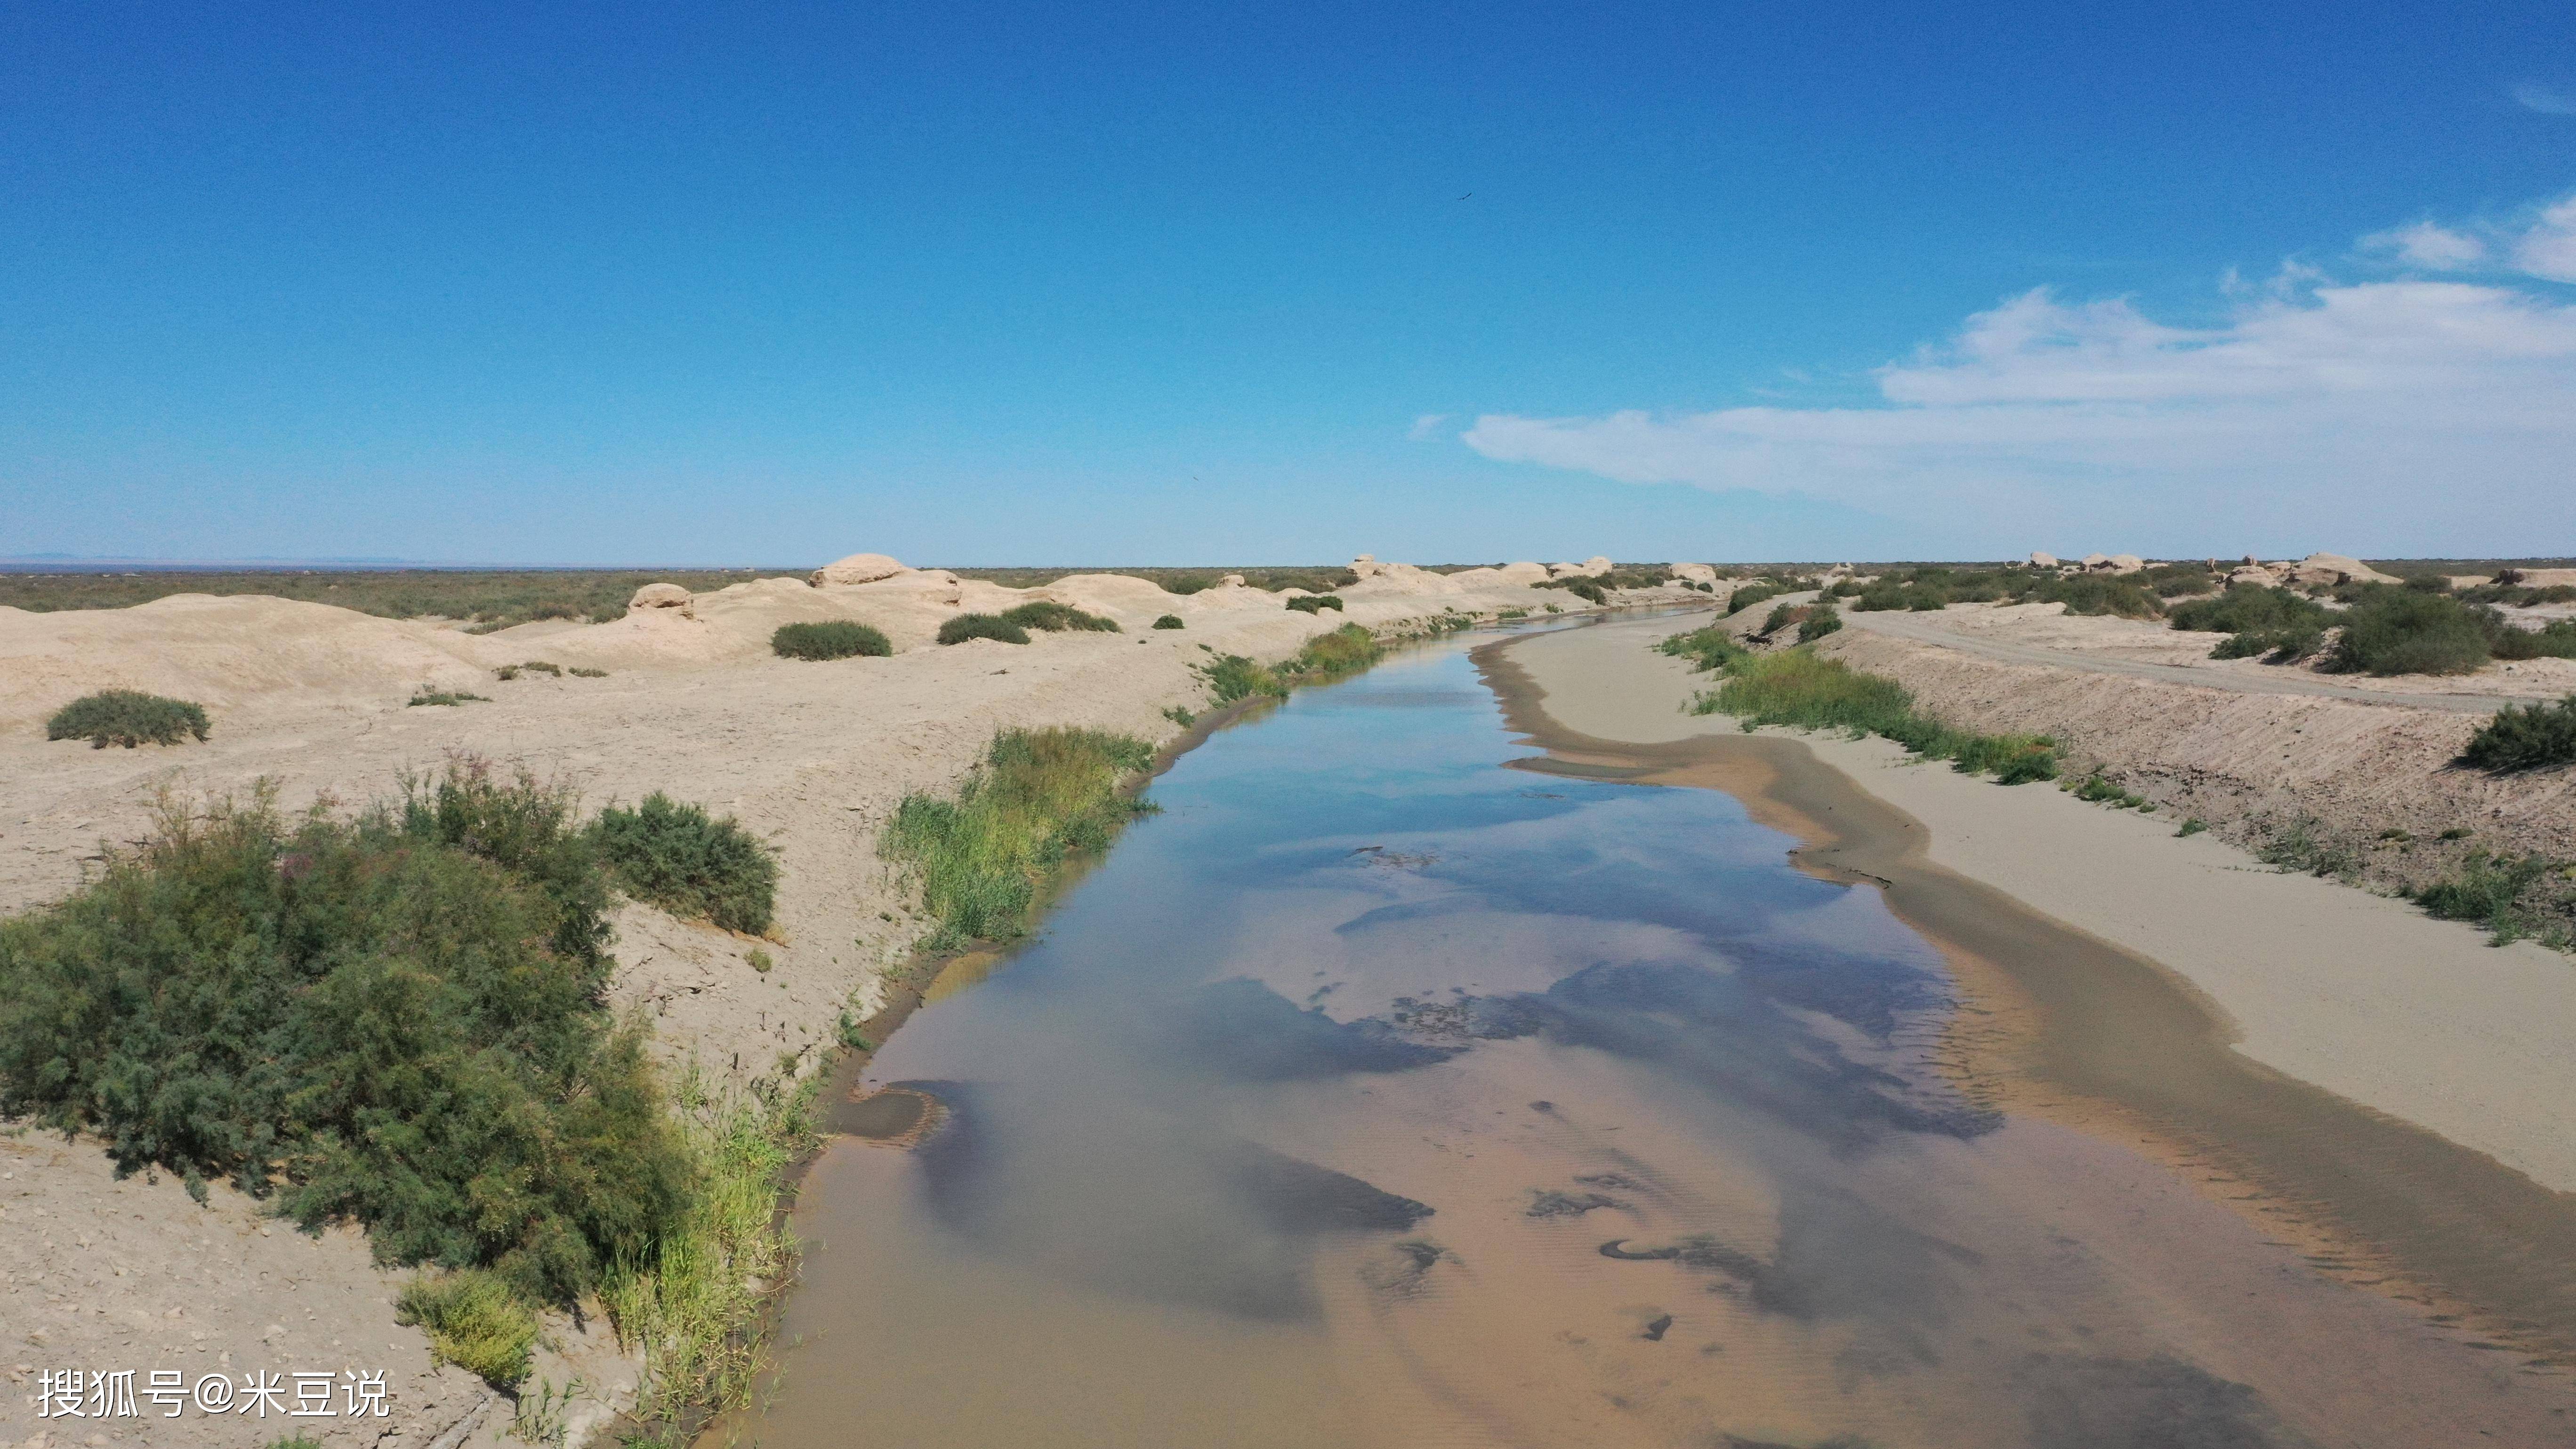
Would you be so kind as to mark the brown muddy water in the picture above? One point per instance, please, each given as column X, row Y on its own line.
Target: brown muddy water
column 1379, row 1093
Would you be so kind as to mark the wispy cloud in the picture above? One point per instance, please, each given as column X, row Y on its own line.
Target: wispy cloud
column 1426, row 427
column 2408, row 414
column 2544, row 100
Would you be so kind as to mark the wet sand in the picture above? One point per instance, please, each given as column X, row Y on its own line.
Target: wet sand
column 2091, row 1033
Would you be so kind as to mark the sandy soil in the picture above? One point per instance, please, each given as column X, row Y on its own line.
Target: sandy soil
column 2359, row 994
column 812, row 756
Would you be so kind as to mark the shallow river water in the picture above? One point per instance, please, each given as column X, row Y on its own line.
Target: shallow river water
column 1375, row 1092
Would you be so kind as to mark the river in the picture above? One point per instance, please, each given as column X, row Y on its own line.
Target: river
column 1379, row 1091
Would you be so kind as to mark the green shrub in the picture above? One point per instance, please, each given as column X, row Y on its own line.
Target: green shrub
column 829, row 639
column 981, row 626
column 1346, row 650
column 1751, row 594
column 2555, row 640
column 578, row 672
column 2392, row 631
column 2096, row 594
column 1179, row 716
column 127, row 717
column 539, row 666
column 1187, row 583
column 1315, row 603
column 474, row 1320
column 2305, row 847
column 2525, row 737
column 1821, row 620
column 1795, row 687
column 1782, row 616
column 688, row 863
column 1037, row 795
column 427, row 695
column 1057, row 618
column 1169, row 621
column 395, row 1020
column 1232, row 677
column 758, row 960
column 2192, row 826
column 2276, row 646
column 2251, row 609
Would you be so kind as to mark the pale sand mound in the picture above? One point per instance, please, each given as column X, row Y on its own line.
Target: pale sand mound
column 858, row 568
column 227, row 652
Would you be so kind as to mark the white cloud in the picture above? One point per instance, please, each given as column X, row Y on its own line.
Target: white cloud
column 1426, row 427
column 2435, row 248
column 2389, row 416
column 2548, row 247
column 2544, row 100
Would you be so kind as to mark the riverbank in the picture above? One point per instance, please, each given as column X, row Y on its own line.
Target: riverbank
column 2382, row 1078
column 812, row 757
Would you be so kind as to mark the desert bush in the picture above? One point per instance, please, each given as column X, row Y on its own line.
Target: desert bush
column 127, row 717
column 1186, row 583
column 578, row 672
column 1346, row 650
column 1782, row 616
column 689, row 863
column 1821, row 620
column 829, row 639
column 395, row 1020
column 539, row 666
column 1037, row 795
column 2251, row 609
column 428, row 696
column 981, row 626
column 2506, row 640
column 1169, row 621
column 1751, row 594
column 1232, row 677
column 1315, row 603
column 2095, row 594
column 474, row 1320
column 2525, row 737
column 2392, row 631
column 1582, row 586
column 1057, row 618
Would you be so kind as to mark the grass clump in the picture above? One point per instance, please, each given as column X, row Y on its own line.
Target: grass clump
column 1795, row 687
column 578, row 672
column 476, row 1321
column 428, row 696
column 694, row 1304
column 1037, row 795
column 396, row 1020
column 1346, row 650
column 829, row 639
column 1822, row 619
column 2525, row 737
column 1581, row 586
column 2305, row 847
column 689, row 863
column 1708, row 648
column 1315, row 603
column 1169, row 621
column 1057, row 618
column 1231, row 677
column 2258, row 620
column 2496, row 891
column 127, row 717
column 1748, row 595
column 981, row 626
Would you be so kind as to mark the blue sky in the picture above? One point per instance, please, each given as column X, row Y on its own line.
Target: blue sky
column 994, row 284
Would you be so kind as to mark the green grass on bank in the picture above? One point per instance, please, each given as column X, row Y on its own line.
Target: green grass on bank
column 1037, row 796
column 1798, row 687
